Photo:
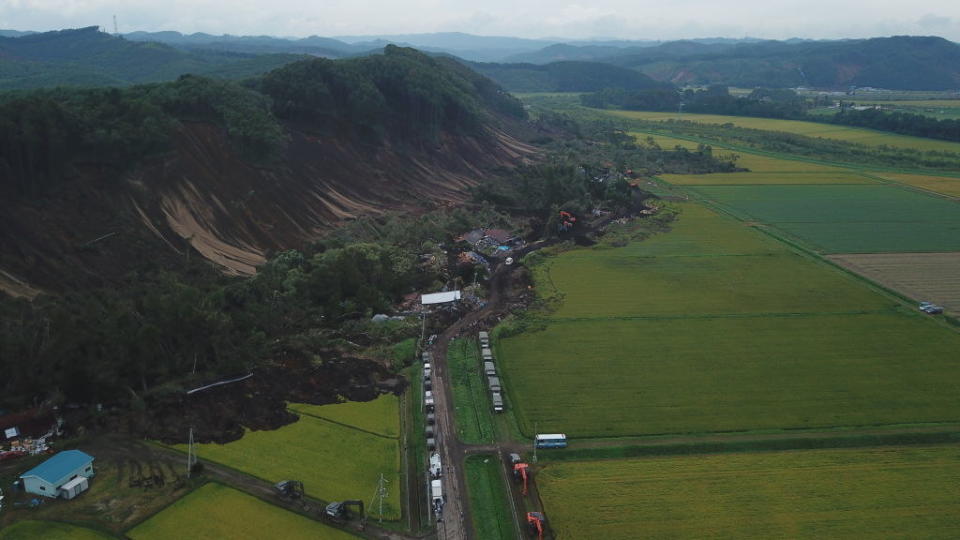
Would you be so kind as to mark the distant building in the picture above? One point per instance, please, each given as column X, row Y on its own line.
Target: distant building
column 63, row 475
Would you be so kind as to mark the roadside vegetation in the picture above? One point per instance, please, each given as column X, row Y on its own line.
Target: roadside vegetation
column 489, row 506
column 471, row 399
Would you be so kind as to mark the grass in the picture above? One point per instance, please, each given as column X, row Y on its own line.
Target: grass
column 616, row 286
column 607, row 378
column 848, row 218
column 334, row 462
column 939, row 184
column 50, row 530
column 492, row 518
column 215, row 511
column 714, row 326
column 380, row 416
column 810, row 129
column 909, row 492
column 764, row 178
column 474, row 416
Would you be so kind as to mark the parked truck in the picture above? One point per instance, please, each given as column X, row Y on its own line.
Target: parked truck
column 487, row 354
column 494, row 383
column 497, row 401
column 436, row 497
column 489, row 369
column 484, row 340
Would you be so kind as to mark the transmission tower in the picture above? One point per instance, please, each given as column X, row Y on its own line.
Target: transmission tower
column 380, row 495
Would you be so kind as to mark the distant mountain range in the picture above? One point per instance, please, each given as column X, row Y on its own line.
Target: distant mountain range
column 89, row 57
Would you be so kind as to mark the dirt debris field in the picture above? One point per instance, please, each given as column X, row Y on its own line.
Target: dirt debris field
column 933, row 277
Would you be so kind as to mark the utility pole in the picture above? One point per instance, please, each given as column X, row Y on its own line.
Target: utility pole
column 535, row 431
column 191, row 455
column 116, row 31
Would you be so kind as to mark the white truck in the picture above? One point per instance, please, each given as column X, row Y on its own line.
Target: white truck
column 497, row 402
column 489, row 369
column 486, row 354
column 484, row 340
column 436, row 497
column 436, row 468
column 428, row 400
column 494, row 383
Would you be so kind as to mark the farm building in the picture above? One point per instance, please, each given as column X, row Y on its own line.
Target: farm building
column 63, row 475
column 440, row 298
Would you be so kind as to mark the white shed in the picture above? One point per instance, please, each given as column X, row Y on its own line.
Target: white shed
column 440, row 298
column 52, row 475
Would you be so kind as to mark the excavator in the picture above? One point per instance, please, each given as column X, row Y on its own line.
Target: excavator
column 340, row 511
column 520, row 473
column 537, row 523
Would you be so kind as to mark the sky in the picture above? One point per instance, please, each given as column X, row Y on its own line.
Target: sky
column 627, row 19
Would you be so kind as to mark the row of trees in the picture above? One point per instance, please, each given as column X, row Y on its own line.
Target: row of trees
column 771, row 103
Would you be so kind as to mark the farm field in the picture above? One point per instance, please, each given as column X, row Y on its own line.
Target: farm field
column 890, row 492
column 945, row 185
column 471, row 401
column 714, row 326
column 492, row 519
column 214, row 511
column 847, row 218
column 334, row 462
column 922, row 276
column 50, row 530
column 654, row 376
column 380, row 416
column 799, row 127
column 681, row 286
column 766, row 178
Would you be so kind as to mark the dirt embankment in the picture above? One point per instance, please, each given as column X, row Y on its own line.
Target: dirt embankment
column 204, row 198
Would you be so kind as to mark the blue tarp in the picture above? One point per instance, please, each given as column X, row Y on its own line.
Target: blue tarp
column 56, row 468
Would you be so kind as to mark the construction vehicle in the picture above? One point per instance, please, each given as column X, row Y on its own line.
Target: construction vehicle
column 341, row 510
column 537, row 523
column 567, row 221
column 520, row 473
column 291, row 489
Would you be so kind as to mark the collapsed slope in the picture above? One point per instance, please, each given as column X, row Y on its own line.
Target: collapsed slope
column 94, row 191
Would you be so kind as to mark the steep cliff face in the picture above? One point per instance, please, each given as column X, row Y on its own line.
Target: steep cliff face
column 205, row 199
column 75, row 221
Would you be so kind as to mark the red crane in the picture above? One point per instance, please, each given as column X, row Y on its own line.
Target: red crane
column 536, row 521
column 520, row 473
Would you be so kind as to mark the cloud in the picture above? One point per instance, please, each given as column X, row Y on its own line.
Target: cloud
column 634, row 19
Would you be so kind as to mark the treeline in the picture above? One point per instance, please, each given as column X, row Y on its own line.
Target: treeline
column 163, row 331
column 770, row 103
column 402, row 95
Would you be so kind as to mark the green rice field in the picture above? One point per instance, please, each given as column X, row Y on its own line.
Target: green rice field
column 50, row 530
column 810, row 129
column 847, row 218
column 334, row 462
column 215, row 512
column 715, row 326
column 891, row 492
column 691, row 375
column 380, row 416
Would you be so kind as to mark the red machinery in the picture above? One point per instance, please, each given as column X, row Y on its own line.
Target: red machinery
column 537, row 522
column 520, row 473
column 566, row 220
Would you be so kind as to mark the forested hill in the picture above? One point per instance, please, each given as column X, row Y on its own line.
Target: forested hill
column 97, row 182
column 899, row 62
column 565, row 77
column 88, row 57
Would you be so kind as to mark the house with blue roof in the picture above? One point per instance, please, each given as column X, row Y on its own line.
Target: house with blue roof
column 65, row 475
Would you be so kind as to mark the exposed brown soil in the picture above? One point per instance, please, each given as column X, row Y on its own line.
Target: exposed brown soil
column 206, row 199
column 221, row 413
